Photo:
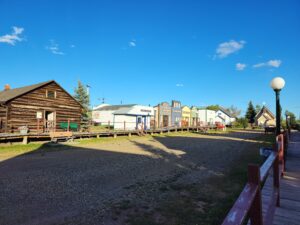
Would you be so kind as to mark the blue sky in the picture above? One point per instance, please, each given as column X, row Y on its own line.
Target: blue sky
column 199, row 52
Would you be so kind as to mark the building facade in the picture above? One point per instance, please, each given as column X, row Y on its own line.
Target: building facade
column 176, row 113
column 224, row 117
column 194, row 116
column 265, row 118
column 206, row 117
column 124, row 117
column 185, row 116
column 42, row 107
column 164, row 113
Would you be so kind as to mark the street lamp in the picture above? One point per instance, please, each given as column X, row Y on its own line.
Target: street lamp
column 277, row 84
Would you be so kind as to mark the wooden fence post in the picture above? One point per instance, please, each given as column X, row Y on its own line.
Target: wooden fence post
column 256, row 209
column 124, row 125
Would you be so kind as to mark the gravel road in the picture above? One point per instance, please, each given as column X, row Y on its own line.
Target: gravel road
column 82, row 183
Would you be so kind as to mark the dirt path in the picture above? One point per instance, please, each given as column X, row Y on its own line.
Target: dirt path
column 104, row 183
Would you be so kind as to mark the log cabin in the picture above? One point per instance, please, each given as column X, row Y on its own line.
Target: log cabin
column 41, row 107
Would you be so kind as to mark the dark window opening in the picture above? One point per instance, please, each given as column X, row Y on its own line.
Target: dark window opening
column 51, row 94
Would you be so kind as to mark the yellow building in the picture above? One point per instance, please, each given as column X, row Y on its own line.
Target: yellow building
column 265, row 118
column 186, row 116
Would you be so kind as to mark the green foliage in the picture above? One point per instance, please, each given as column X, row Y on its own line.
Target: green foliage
column 250, row 114
column 213, row 107
column 81, row 95
column 292, row 120
column 241, row 123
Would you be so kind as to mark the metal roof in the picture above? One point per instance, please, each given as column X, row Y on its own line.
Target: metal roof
column 114, row 107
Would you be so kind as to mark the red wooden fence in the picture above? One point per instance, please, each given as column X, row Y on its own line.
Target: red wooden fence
column 249, row 203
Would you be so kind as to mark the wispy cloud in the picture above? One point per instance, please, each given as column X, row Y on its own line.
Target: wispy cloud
column 240, row 66
column 226, row 48
column 271, row 63
column 132, row 43
column 54, row 48
column 14, row 37
column 72, row 46
column 179, row 85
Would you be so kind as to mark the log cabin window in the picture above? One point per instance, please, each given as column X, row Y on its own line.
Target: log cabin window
column 50, row 94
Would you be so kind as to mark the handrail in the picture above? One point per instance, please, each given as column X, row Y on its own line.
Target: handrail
column 249, row 203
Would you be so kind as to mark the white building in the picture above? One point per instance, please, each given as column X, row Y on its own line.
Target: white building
column 123, row 117
column 206, row 117
column 224, row 117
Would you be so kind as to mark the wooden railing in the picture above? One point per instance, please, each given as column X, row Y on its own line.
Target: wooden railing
column 249, row 203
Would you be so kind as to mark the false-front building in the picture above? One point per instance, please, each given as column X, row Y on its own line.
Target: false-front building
column 163, row 114
column 176, row 113
column 40, row 107
column 186, row 116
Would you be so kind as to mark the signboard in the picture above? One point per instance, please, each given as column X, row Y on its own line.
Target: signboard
column 39, row 115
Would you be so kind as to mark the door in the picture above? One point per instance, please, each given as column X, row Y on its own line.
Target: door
column 165, row 121
column 50, row 121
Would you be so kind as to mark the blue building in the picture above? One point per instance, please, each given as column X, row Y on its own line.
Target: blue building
column 176, row 113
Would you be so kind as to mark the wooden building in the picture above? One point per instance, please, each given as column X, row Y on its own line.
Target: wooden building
column 163, row 114
column 194, row 116
column 40, row 107
column 176, row 113
column 185, row 116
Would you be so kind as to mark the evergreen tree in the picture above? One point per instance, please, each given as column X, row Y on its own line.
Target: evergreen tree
column 81, row 95
column 250, row 114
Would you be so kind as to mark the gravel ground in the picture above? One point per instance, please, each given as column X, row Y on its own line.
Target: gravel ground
column 90, row 183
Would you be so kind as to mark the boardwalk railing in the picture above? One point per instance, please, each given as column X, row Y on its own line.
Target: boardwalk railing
column 249, row 203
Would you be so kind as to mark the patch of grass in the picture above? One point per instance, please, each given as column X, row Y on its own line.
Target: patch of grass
column 19, row 148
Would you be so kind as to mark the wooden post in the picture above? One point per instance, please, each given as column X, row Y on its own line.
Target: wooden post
column 129, row 134
column 97, row 136
column 68, row 125
column 25, row 140
column 256, row 209
column 38, row 126
column 124, row 125
column 115, row 135
column 109, row 125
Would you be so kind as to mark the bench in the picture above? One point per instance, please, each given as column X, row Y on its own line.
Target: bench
column 64, row 136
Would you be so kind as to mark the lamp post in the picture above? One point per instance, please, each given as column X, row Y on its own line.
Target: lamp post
column 277, row 84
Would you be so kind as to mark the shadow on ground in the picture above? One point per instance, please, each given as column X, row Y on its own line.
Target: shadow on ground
column 63, row 184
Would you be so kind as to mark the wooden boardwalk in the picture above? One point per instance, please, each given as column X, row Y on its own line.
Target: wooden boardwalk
column 289, row 211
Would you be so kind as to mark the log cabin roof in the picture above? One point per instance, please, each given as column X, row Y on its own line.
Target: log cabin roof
column 8, row 95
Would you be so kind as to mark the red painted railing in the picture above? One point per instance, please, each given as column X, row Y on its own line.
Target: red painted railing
column 249, row 203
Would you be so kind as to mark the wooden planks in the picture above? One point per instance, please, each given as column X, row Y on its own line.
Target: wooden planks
column 22, row 111
column 289, row 211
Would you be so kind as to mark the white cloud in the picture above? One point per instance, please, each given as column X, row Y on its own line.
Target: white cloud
column 226, row 48
column 14, row 37
column 179, row 85
column 54, row 48
column 271, row 63
column 72, row 46
column 132, row 43
column 240, row 66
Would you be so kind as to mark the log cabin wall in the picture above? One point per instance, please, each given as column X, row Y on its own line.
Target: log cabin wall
column 2, row 118
column 23, row 110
